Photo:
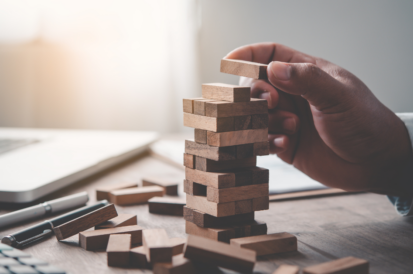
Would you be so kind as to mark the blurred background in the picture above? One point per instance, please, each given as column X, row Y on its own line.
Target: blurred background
column 127, row 64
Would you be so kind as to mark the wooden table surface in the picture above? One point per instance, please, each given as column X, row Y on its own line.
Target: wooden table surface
column 361, row 225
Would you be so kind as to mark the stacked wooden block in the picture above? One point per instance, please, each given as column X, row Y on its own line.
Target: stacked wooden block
column 224, row 186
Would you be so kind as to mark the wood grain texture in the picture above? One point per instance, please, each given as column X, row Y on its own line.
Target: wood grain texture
column 177, row 245
column 157, row 245
column 347, row 265
column 138, row 258
column 261, row 148
column 214, row 179
column 192, row 188
column 260, row 203
column 218, row 210
column 166, row 206
column 188, row 105
column 268, row 244
column 209, row 123
column 233, row 194
column 98, row 239
column 219, row 254
column 229, row 109
column 226, row 92
column 119, row 221
column 209, row 165
column 244, row 68
column 259, row 121
column 287, row 269
column 137, row 195
column 200, row 136
column 84, row 222
column 242, row 122
column 199, row 106
column 202, row 219
column 168, row 182
column 242, row 207
column 233, row 138
column 179, row 265
column 102, row 193
column 118, row 250
column 189, row 160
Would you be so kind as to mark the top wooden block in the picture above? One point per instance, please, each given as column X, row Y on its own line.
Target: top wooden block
column 341, row 266
column 244, row 68
column 226, row 92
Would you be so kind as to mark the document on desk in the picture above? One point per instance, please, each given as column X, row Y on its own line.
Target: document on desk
column 284, row 178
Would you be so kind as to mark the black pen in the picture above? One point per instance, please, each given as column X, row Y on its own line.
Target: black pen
column 45, row 229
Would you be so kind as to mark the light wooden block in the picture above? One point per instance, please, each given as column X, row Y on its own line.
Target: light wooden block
column 209, row 123
column 209, row 165
column 192, row 188
column 98, row 239
column 168, row 182
column 233, row 138
column 287, row 269
column 179, row 265
column 226, row 92
column 84, row 222
column 244, row 68
column 259, row 121
column 220, row 254
column 218, row 210
column 157, row 245
column 261, row 203
column 138, row 258
column 233, row 194
column 199, row 106
column 268, row 244
column 202, row 219
column 118, row 250
column 200, row 136
column 177, row 245
column 102, row 193
column 229, row 109
column 166, row 206
column 137, row 195
column 189, row 160
column 214, row 179
column 188, row 105
column 121, row 220
column 345, row 265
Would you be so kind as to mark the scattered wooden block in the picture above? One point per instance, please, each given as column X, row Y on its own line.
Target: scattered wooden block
column 200, row 136
column 157, row 245
column 229, row 109
column 242, row 122
column 138, row 258
column 98, row 239
column 202, row 219
column 137, row 195
column 209, row 165
column 189, row 160
column 179, row 265
column 214, row 179
column 84, row 222
column 199, row 106
column 177, row 245
column 168, row 182
column 219, row 254
column 261, row 203
column 166, row 206
column 102, row 193
column 121, row 220
column 233, row 138
column 287, row 269
column 192, row 188
column 218, row 210
column 209, row 123
column 244, row 68
column 226, row 92
column 341, row 266
column 118, row 250
column 233, row 194
column 268, row 244
column 261, row 148
column 259, row 121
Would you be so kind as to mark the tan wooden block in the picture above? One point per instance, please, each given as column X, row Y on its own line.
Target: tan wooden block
column 199, row 106
column 210, row 152
column 177, row 245
column 121, row 220
column 261, row 203
column 226, row 92
column 259, row 121
column 179, row 265
column 84, row 222
column 137, row 195
column 233, row 194
column 220, row 254
column 192, row 188
column 138, row 258
column 287, row 269
column 218, row 210
column 229, row 109
column 157, row 245
column 189, row 160
column 261, row 148
column 209, row 165
column 200, row 136
column 233, row 138
column 98, row 239
column 166, row 205
column 242, row 207
column 202, row 219
column 214, row 179
column 188, row 105
column 242, row 122
column 345, row 265
column 102, row 193
column 209, row 123
column 168, row 182
column 268, row 244
column 244, row 68
column 118, row 250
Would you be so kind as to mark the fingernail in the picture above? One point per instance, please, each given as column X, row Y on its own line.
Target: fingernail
column 266, row 96
column 279, row 142
column 289, row 124
column 281, row 71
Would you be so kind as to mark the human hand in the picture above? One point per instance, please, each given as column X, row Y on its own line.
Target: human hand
column 327, row 123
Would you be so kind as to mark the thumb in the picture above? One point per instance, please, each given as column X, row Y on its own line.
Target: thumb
column 315, row 85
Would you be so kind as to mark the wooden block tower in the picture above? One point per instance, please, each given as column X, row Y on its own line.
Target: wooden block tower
column 223, row 185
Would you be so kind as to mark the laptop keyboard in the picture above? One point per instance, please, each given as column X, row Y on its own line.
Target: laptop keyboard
column 7, row 145
column 18, row 262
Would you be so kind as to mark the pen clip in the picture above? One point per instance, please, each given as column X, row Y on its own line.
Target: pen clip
column 44, row 234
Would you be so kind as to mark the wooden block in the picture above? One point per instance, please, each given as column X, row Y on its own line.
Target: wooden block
column 242, row 207
column 200, row 136
column 244, row 151
column 199, row 106
column 229, row 109
column 287, row 269
column 261, row 203
column 261, row 148
column 121, row 220
column 137, row 195
column 220, row 254
column 214, row 179
column 260, row 175
column 233, row 138
column 226, row 92
column 118, row 250
column 138, row 258
column 244, row 68
column 209, row 165
column 177, row 245
column 166, row 206
column 268, row 244
column 192, row 188
column 168, row 182
column 188, row 105
column 242, row 122
column 84, row 222
column 179, row 265
column 98, row 239
column 213, row 153
column 157, row 245
column 218, row 210
column 259, row 121
column 233, row 194
column 345, row 265
column 102, row 193
column 189, row 160
column 202, row 219
column 214, row 124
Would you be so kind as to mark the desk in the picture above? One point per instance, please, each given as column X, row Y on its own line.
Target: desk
column 360, row 225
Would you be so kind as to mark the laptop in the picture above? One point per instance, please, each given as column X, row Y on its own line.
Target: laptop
column 36, row 162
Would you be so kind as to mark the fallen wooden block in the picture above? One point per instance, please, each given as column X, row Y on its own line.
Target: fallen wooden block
column 287, row 269
column 219, row 254
column 177, row 245
column 189, row 160
column 341, row 266
column 118, row 250
column 233, row 138
column 168, row 182
column 268, row 244
column 121, row 220
column 192, row 188
column 202, row 219
column 84, row 222
column 98, row 239
column 226, row 92
column 179, row 265
column 102, row 193
column 200, row 136
column 166, row 206
column 218, row 210
column 229, row 109
column 199, row 106
column 244, row 68
column 157, row 245
column 138, row 258
column 209, row 165
column 233, row 194
column 137, row 195
column 261, row 203
column 209, row 123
